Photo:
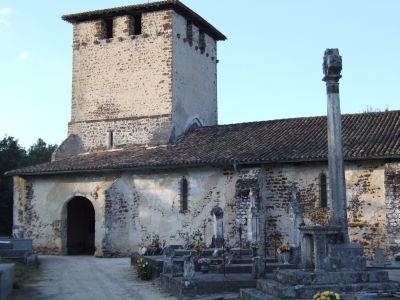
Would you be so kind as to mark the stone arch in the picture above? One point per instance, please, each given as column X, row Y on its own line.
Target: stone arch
column 78, row 230
column 193, row 124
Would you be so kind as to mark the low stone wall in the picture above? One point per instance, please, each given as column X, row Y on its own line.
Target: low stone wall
column 6, row 280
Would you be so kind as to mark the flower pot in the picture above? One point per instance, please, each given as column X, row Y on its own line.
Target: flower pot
column 254, row 252
column 205, row 268
column 285, row 257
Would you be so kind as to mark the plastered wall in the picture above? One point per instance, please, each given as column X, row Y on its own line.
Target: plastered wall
column 131, row 208
column 194, row 84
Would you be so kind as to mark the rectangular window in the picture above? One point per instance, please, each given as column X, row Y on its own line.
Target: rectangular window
column 189, row 33
column 202, row 41
column 323, row 194
column 184, row 195
column 107, row 30
column 135, row 25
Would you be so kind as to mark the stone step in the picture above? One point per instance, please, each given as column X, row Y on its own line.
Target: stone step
column 219, row 296
column 254, row 294
column 181, row 252
column 270, row 260
column 279, row 290
column 296, row 277
column 19, row 244
column 12, row 253
column 241, row 261
column 243, row 252
column 6, row 245
column 206, row 284
column 236, row 268
column 276, row 289
column 270, row 267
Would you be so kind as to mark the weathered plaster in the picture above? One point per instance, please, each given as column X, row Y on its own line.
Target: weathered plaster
column 194, row 84
column 131, row 208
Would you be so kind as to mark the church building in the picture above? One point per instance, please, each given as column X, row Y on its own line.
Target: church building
column 145, row 155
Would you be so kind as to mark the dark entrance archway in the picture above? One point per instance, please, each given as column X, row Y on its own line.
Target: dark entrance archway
column 80, row 226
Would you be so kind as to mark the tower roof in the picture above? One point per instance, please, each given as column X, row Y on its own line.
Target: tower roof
column 175, row 5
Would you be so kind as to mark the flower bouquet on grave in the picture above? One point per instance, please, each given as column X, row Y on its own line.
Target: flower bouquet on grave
column 143, row 269
column 326, row 295
column 204, row 264
column 255, row 245
column 284, row 248
column 197, row 246
column 204, row 261
column 284, row 251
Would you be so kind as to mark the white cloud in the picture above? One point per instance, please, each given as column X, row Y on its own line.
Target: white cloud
column 4, row 12
column 24, row 55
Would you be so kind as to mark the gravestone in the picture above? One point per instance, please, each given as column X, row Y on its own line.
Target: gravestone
column 218, row 214
column 379, row 258
column 295, row 212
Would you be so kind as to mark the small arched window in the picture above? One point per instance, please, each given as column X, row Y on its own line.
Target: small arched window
column 184, row 195
column 323, row 194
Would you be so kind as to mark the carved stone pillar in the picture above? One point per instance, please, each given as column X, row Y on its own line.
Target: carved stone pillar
column 332, row 67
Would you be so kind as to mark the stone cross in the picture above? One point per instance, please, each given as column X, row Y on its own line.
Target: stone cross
column 332, row 67
column 295, row 212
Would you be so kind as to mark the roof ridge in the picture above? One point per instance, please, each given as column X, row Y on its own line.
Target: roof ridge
column 298, row 118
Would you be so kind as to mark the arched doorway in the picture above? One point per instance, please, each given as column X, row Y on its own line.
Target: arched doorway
column 80, row 226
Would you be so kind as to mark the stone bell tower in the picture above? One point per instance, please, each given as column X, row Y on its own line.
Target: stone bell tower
column 142, row 74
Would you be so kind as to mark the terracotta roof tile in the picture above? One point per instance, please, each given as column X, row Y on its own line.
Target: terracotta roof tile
column 365, row 136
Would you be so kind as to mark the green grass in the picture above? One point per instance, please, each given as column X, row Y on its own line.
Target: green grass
column 23, row 273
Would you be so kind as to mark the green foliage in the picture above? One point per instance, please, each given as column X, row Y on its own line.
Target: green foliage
column 40, row 152
column 13, row 156
column 397, row 258
column 143, row 269
column 23, row 273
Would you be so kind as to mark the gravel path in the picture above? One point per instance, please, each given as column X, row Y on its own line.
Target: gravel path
column 86, row 278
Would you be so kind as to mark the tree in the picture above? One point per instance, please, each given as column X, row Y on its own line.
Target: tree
column 40, row 152
column 12, row 156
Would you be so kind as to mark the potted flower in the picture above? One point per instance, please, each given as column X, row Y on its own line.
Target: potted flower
column 143, row 269
column 284, row 251
column 254, row 245
column 204, row 263
column 197, row 247
column 326, row 295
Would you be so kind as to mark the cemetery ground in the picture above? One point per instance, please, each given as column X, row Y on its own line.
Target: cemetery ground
column 86, row 277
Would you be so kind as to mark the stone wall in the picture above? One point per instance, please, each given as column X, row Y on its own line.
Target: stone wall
column 194, row 85
column 134, row 84
column 40, row 208
column 392, row 192
column 365, row 196
column 131, row 208
column 123, row 82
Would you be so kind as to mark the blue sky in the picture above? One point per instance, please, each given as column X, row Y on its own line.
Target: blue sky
column 270, row 66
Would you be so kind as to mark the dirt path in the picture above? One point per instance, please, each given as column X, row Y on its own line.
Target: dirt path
column 86, row 278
